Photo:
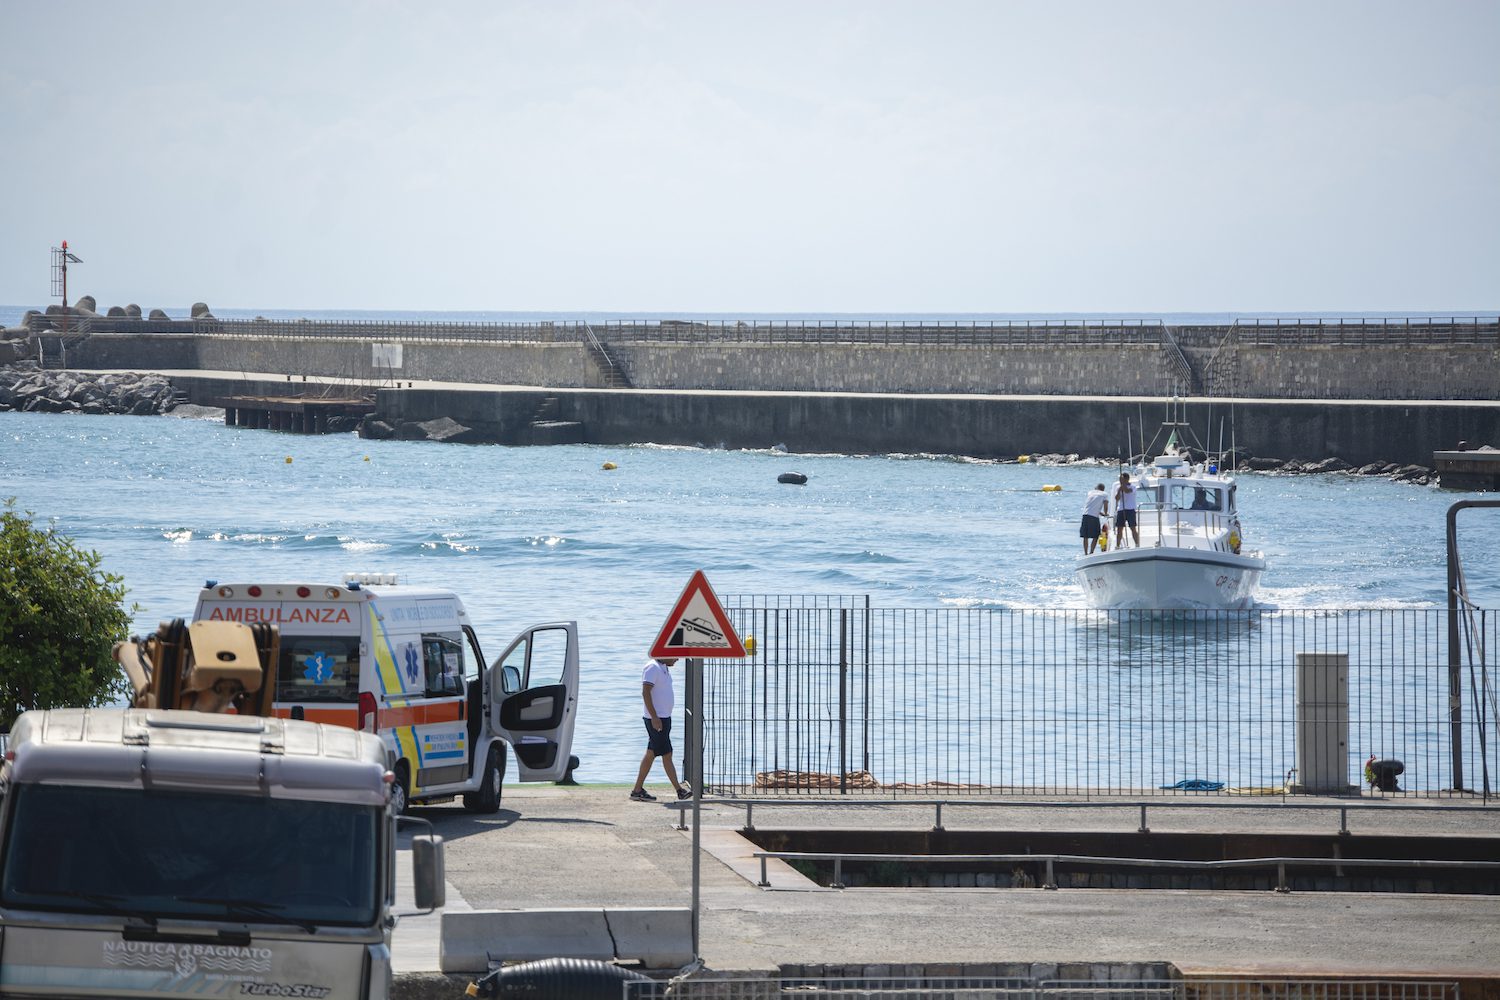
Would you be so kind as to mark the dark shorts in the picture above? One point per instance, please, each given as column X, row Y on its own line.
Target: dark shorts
column 1125, row 517
column 660, row 743
column 1089, row 528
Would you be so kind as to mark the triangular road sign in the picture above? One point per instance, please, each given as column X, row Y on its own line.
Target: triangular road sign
column 697, row 626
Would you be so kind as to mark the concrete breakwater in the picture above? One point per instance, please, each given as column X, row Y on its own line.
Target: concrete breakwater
column 1399, row 438
column 1305, row 359
column 1382, row 438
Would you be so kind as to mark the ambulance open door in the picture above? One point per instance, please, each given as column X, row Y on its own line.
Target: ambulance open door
column 534, row 699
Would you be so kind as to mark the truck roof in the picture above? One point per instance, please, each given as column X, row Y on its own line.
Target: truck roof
column 195, row 751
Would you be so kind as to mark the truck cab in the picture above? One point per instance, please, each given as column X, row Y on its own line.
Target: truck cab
column 405, row 664
column 148, row 853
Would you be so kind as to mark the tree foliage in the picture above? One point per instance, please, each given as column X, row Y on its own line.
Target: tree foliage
column 59, row 617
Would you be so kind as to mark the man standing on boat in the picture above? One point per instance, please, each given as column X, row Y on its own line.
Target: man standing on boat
column 1125, row 500
column 1095, row 506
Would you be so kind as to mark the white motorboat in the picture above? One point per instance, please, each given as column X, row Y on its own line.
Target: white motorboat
column 1192, row 546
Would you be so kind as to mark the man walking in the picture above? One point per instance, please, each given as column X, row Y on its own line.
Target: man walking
column 656, row 692
column 1095, row 506
column 1125, row 502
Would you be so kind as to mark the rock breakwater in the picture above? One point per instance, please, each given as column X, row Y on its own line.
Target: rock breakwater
column 26, row 388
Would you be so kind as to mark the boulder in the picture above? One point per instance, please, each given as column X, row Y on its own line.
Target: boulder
column 410, row 430
column 158, row 314
column 133, row 311
column 449, row 430
column 375, row 430
column 1390, row 468
column 1411, row 474
column 1328, row 465
column 1263, row 464
column 1373, row 469
column 200, row 311
column 86, row 305
column 116, row 312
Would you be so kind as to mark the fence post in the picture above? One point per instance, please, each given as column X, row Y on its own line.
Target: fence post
column 843, row 701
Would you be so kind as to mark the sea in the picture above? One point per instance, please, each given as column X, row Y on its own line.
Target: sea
column 530, row 535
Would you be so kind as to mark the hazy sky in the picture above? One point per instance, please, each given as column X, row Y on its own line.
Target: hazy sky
column 755, row 156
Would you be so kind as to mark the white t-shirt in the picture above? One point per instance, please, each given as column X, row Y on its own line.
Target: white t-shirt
column 1093, row 504
column 660, row 678
column 1125, row 496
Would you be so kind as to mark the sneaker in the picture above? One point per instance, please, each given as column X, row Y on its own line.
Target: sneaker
column 684, row 792
column 641, row 795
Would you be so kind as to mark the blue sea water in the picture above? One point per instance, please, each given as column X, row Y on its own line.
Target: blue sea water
column 526, row 535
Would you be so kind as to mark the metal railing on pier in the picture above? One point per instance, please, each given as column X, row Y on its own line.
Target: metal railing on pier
column 844, row 698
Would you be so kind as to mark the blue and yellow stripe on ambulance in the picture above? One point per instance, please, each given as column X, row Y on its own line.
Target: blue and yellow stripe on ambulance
column 390, row 683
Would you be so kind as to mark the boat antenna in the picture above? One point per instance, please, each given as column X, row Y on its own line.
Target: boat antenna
column 1221, row 443
column 1141, row 429
column 1234, row 453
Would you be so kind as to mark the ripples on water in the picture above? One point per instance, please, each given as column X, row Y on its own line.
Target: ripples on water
column 532, row 534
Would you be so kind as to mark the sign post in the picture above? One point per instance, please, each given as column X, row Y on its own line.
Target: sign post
column 697, row 627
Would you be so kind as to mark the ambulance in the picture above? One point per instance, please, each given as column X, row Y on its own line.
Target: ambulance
column 403, row 662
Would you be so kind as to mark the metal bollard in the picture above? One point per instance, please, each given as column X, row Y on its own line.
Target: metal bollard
column 1281, row 885
column 1143, row 827
column 749, row 822
column 937, row 824
column 1343, row 821
column 838, row 874
column 1051, row 882
column 681, row 818
column 764, row 882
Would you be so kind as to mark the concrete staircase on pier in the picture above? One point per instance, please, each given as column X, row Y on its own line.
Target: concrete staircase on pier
column 548, row 428
column 615, row 377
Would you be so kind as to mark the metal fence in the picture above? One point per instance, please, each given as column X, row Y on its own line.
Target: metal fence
column 842, row 697
column 999, row 987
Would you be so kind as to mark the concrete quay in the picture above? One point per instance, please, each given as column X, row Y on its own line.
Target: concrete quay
column 555, row 848
column 977, row 425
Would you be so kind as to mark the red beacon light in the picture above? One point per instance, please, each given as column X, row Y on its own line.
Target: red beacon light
column 304, row 592
column 253, row 591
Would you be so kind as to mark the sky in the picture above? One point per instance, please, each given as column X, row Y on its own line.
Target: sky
column 760, row 156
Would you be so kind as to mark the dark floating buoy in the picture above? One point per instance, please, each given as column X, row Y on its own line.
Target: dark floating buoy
column 795, row 478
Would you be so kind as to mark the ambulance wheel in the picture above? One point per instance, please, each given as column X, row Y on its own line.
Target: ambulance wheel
column 401, row 790
column 486, row 799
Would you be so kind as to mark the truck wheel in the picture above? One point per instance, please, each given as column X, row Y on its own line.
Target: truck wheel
column 486, row 799
column 401, row 790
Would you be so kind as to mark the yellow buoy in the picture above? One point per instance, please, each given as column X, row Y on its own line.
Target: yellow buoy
column 1023, row 459
column 1051, row 488
column 750, row 645
column 289, row 460
column 609, row 466
column 367, row 458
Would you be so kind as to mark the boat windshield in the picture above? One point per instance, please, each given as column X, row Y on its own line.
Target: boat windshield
column 1188, row 496
column 207, row 856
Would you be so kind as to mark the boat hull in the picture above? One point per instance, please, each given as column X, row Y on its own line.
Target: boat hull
column 1170, row 578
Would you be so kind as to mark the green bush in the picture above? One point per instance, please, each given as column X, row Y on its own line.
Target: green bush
column 59, row 617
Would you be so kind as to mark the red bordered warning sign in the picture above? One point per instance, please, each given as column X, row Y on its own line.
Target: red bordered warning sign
column 697, row 626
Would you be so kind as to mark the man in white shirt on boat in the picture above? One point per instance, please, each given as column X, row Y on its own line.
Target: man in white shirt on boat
column 1125, row 505
column 1095, row 506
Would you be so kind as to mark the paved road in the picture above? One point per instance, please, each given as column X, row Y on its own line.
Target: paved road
column 590, row 846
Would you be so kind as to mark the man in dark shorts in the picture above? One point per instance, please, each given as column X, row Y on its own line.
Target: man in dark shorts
column 1095, row 506
column 656, row 692
column 1125, row 501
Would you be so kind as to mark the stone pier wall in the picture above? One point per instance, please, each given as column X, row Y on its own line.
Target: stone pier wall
column 1315, row 363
